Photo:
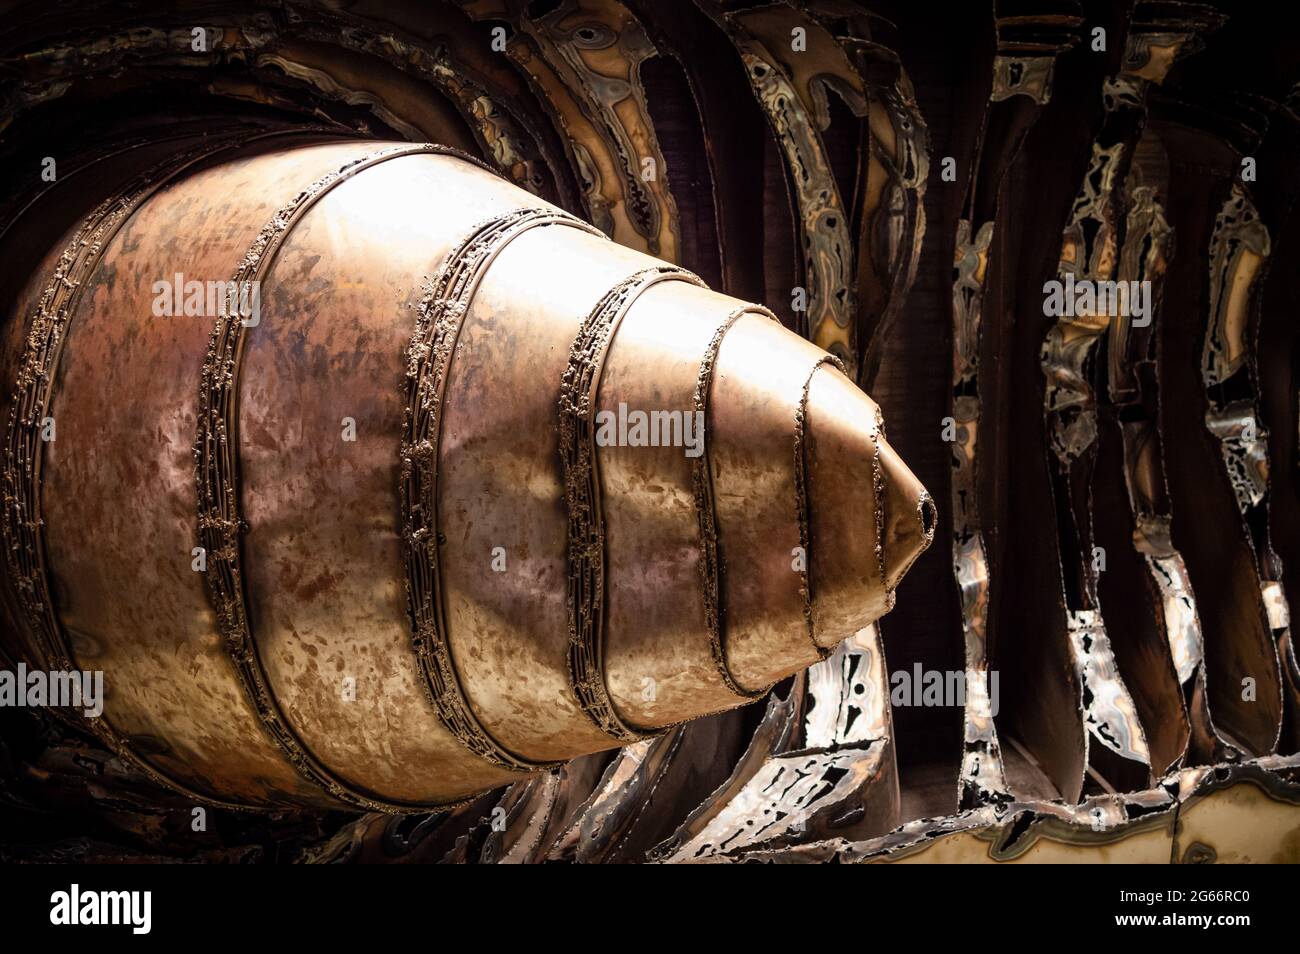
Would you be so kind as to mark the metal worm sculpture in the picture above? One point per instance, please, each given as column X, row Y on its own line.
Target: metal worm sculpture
column 462, row 490
column 378, row 475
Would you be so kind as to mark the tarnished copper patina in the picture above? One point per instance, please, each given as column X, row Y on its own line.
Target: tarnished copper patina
column 375, row 542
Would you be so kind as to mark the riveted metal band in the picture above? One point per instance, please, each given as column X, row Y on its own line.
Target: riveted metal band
column 441, row 314
column 586, row 582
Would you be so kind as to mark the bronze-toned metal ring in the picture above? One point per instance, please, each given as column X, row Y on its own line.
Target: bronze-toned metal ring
column 441, row 313
column 702, row 486
column 801, row 497
column 220, row 523
column 33, row 393
column 586, row 544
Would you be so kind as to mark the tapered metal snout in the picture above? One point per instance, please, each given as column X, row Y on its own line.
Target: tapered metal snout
column 477, row 491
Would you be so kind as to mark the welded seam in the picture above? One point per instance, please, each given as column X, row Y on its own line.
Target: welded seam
column 217, row 480
column 878, row 507
column 801, row 499
column 711, row 570
column 33, row 394
column 585, row 594
column 434, row 341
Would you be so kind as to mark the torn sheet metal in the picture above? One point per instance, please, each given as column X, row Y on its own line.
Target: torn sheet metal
column 583, row 58
column 1023, row 76
column 1260, row 797
column 828, row 250
column 891, row 194
column 776, row 734
column 982, row 776
column 849, row 701
column 600, row 47
column 793, row 798
column 1134, row 391
column 1239, row 252
column 1112, row 203
column 1089, row 254
column 1108, row 708
column 1240, row 248
column 1178, row 602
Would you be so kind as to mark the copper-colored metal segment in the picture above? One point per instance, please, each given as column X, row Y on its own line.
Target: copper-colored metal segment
column 325, row 556
column 130, row 601
column 801, row 497
column 868, row 517
column 583, row 495
column 35, row 389
column 983, row 777
column 845, row 485
column 908, row 513
column 325, row 703
column 706, row 512
column 757, row 390
column 501, row 486
column 221, row 521
column 428, row 358
column 1023, row 74
column 29, row 426
column 47, row 239
column 1240, row 249
column 663, row 651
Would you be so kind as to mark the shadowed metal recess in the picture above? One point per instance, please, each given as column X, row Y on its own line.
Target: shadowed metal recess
column 446, row 427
